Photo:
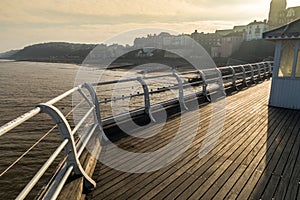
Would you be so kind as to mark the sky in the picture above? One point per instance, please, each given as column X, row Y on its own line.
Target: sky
column 25, row 22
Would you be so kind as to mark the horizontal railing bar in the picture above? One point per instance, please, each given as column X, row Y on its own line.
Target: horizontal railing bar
column 109, row 119
column 239, row 81
column 158, row 76
column 212, row 79
column 139, row 111
column 189, row 72
column 150, row 92
column 42, row 170
column 239, row 73
column 62, row 183
column 62, row 96
column 128, row 80
column 86, row 140
column 16, row 122
column 227, row 76
column 116, row 99
column 82, row 120
column 238, row 76
column 114, row 81
column 166, row 75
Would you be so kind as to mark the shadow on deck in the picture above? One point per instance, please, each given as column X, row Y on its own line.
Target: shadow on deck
column 255, row 157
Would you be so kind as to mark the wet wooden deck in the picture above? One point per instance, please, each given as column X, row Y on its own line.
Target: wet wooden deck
column 256, row 157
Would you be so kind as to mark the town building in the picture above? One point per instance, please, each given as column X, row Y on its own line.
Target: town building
column 229, row 44
column 224, row 32
column 286, row 74
column 255, row 29
column 163, row 40
column 151, row 40
column 292, row 14
column 207, row 40
column 241, row 28
column 279, row 13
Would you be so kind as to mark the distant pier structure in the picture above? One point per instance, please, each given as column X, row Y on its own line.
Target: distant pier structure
column 286, row 75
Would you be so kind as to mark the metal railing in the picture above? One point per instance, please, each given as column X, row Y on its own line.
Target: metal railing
column 205, row 80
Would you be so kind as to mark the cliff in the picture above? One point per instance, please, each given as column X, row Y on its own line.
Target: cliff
column 54, row 52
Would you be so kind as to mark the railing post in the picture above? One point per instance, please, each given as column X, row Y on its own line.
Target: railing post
column 204, row 85
column 97, row 114
column 147, row 103
column 233, row 78
column 70, row 148
column 265, row 70
column 180, row 88
column 259, row 71
column 244, row 76
column 220, row 81
column 252, row 74
column 94, row 97
column 270, row 70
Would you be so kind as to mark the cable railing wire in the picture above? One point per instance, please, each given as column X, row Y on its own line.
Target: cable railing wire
column 35, row 144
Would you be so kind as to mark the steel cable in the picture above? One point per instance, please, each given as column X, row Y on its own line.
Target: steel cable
column 36, row 143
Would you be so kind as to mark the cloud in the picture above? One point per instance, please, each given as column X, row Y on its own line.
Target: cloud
column 117, row 11
column 16, row 37
column 96, row 20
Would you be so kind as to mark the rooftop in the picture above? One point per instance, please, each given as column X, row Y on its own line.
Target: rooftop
column 289, row 31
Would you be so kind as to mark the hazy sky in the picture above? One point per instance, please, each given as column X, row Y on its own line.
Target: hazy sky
column 26, row 22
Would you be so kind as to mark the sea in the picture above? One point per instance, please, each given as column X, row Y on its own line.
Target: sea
column 23, row 85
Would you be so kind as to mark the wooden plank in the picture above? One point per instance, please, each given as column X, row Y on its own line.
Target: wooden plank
column 238, row 153
column 252, row 167
column 233, row 169
column 243, row 165
column 225, row 149
column 272, row 144
column 298, row 197
column 167, row 189
column 178, row 190
column 115, row 179
column 288, row 170
column 172, row 167
column 275, row 169
column 241, row 153
column 149, row 144
column 293, row 184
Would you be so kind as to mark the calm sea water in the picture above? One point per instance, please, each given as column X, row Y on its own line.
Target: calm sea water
column 23, row 85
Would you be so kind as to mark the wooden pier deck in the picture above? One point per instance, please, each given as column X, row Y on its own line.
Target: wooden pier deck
column 256, row 157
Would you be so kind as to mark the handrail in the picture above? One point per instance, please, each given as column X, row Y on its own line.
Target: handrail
column 147, row 103
column 231, row 77
column 181, row 94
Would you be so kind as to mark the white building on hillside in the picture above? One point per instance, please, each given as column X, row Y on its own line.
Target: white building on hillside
column 255, row 30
